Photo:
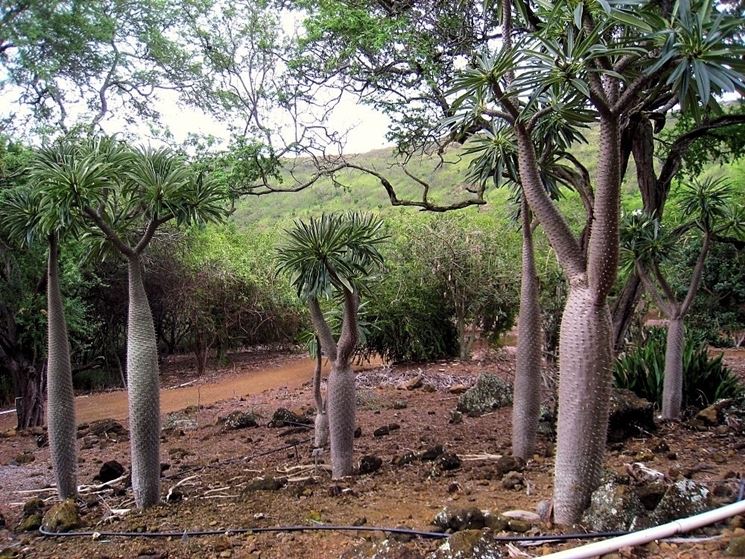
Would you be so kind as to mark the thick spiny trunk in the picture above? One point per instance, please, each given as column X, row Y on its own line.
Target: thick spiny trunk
column 340, row 403
column 585, row 362
column 527, row 393
column 144, row 392
column 60, row 395
column 672, row 389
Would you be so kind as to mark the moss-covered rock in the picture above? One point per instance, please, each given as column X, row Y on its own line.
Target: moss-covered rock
column 240, row 420
column 62, row 517
column 469, row 544
column 736, row 547
column 682, row 499
column 489, row 393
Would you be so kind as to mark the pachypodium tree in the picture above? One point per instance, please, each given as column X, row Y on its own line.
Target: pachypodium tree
column 648, row 245
column 327, row 255
column 139, row 191
column 606, row 58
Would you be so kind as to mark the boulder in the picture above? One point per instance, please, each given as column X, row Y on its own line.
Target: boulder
column 489, row 393
column 62, row 517
column 682, row 499
column 613, row 507
column 630, row 416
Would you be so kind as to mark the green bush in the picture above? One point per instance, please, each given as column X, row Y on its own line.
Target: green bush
column 705, row 378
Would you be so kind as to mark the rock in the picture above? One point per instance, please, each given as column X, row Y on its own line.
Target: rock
column 267, row 483
column 109, row 471
column 174, row 496
column 736, row 547
column 29, row 523
column 400, row 404
column 449, row 461
column 456, row 417
column 25, row 457
column 457, row 389
column 429, row 388
column 630, row 416
column 613, row 507
column 513, row 480
column 519, row 526
column 489, row 393
column 524, row 515
column 33, row 506
column 406, row 458
column 109, row 429
column 432, row 453
column 683, row 498
column 152, row 554
column 713, row 414
column 42, row 440
column 470, row 518
column 370, row 464
column 469, row 544
column 509, row 463
column 496, row 522
column 62, row 517
column 414, row 383
column 285, row 418
column 89, row 441
column 240, row 420
column 381, row 431
column 358, row 432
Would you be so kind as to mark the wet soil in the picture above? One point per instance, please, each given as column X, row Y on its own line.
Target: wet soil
column 212, row 468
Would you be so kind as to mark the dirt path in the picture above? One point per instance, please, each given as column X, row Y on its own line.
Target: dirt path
column 291, row 373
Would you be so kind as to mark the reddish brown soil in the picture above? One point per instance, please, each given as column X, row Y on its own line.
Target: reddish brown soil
column 223, row 462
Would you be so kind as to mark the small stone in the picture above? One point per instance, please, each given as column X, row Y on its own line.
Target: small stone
column 25, row 457
column 513, row 480
column 267, row 483
column 661, row 447
column 736, row 547
column 429, row 388
column 360, row 521
column 453, row 487
column 470, row 518
column 414, row 383
column 449, row 461
column 432, row 453
column 456, row 417
column 109, row 471
column 370, row 464
column 517, row 525
column 381, row 431
column 406, row 458
column 358, row 432
column 240, row 420
column 509, row 463
column 457, row 389
column 226, row 553
column 283, row 417
column 400, row 404
column 62, row 517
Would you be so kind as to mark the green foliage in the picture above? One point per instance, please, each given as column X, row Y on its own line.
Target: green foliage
column 705, row 379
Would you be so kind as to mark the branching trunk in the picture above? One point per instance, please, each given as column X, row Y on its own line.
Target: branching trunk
column 144, row 391
column 527, row 393
column 60, row 395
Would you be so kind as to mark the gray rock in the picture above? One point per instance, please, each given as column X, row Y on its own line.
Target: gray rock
column 683, row 498
column 370, row 464
column 283, row 417
column 613, row 507
column 630, row 416
column 489, row 393
column 240, row 420
column 470, row 518
column 469, row 544
column 109, row 471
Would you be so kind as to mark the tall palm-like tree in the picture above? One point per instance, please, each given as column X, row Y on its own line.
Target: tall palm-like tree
column 140, row 191
column 649, row 245
column 608, row 59
column 326, row 255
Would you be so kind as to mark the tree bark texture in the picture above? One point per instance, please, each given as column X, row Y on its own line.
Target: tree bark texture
column 672, row 389
column 144, row 392
column 340, row 404
column 60, row 395
column 321, row 432
column 585, row 363
column 527, row 388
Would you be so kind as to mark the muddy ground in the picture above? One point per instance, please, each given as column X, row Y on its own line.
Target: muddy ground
column 211, row 469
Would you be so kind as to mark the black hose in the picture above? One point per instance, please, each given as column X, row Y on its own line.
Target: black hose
column 324, row 528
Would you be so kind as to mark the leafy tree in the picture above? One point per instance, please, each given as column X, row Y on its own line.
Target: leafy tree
column 128, row 190
column 82, row 62
column 648, row 244
column 334, row 253
column 473, row 269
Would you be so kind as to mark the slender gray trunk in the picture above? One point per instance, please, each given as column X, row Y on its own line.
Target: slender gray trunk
column 340, row 403
column 585, row 362
column 144, row 391
column 527, row 389
column 672, row 390
column 60, row 394
column 321, row 432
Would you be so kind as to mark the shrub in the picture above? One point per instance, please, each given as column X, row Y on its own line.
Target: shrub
column 705, row 378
